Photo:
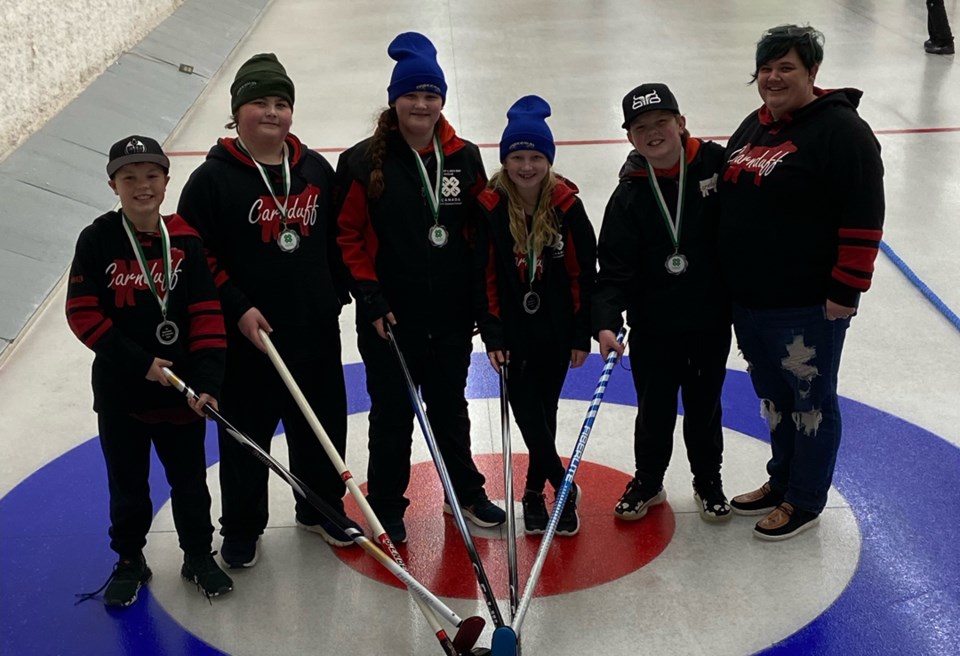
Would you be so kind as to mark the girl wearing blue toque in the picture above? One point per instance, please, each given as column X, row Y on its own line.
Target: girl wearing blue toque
column 536, row 257
column 406, row 196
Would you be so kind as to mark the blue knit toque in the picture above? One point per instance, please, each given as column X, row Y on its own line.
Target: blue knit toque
column 416, row 69
column 527, row 128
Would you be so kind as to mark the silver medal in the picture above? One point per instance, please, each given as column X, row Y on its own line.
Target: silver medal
column 167, row 332
column 438, row 236
column 531, row 302
column 676, row 264
column 288, row 241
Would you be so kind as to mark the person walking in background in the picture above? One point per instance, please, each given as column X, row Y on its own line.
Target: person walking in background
column 802, row 210
column 938, row 28
column 141, row 298
column 407, row 195
column 263, row 203
column 658, row 261
column 537, row 261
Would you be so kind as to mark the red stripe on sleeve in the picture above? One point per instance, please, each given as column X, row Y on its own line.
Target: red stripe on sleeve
column 357, row 240
column 493, row 296
column 98, row 333
column 81, row 302
column 856, row 258
column 204, row 306
column 860, row 233
column 573, row 269
column 861, row 284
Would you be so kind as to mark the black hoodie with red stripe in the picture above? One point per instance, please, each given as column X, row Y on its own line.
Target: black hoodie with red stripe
column 635, row 244
column 564, row 278
column 299, row 293
column 394, row 267
column 111, row 309
column 802, row 205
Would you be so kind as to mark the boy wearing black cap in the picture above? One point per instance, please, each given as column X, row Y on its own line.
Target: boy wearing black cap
column 658, row 261
column 263, row 203
column 141, row 297
column 536, row 256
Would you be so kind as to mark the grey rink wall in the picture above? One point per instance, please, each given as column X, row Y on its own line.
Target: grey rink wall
column 54, row 183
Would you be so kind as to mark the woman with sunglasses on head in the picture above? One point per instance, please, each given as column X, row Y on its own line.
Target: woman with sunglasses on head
column 802, row 211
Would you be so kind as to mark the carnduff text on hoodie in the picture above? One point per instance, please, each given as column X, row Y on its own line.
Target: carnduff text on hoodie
column 393, row 266
column 802, row 205
column 635, row 243
column 299, row 293
column 564, row 278
column 111, row 309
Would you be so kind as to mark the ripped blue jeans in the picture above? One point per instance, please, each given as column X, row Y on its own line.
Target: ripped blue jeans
column 793, row 358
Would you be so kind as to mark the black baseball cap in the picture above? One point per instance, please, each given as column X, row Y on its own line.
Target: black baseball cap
column 648, row 97
column 134, row 149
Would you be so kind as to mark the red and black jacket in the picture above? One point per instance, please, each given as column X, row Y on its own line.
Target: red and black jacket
column 564, row 278
column 802, row 205
column 299, row 293
column 393, row 266
column 111, row 309
column 635, row 244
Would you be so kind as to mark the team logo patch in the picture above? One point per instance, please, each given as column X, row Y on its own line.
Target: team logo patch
column 134, row 147
column 708, row 185
column 450, row 186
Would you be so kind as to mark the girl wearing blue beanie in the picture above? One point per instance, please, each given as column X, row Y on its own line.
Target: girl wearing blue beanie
column 536, row 261
column 406, row 200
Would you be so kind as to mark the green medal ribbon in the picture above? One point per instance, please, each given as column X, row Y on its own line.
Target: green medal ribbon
column 142, row 261
column 673, row 225
column 432, row 193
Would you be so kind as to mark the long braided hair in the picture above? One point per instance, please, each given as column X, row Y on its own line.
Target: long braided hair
column 543, row 231
column 387, row 122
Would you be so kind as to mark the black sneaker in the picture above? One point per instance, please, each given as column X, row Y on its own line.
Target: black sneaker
column 636, row 501
column 757, row 502
column 483, row 513
column 939, row 49
column 330, row 532
column 129, row 575
column 203, row 570
column 784, row 522
column 569, row 523
column 239, row 552
column 712, row 502
column 535, row 515
column 395, row 528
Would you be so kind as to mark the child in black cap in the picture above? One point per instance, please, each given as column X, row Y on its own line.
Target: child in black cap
column 405, row 225
column 536, row 254
column 263, row 203
column 658, row 261
column 141, row 297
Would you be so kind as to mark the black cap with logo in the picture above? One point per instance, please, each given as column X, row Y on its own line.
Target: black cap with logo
column 648, row 97
column 134, row 149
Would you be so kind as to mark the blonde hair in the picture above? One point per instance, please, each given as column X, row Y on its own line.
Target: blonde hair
column 544, row 230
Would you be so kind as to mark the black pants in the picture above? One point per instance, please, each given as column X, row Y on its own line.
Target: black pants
column 125, row 442
column 534, row 382
column 255, row 399
column 439, row 369
column 938, row 26
column 694, row 364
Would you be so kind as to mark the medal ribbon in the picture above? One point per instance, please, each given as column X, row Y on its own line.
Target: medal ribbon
column 673, row 225
column 433, row 194
column 266, row 180
column 531, row 255
column 142, row 261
